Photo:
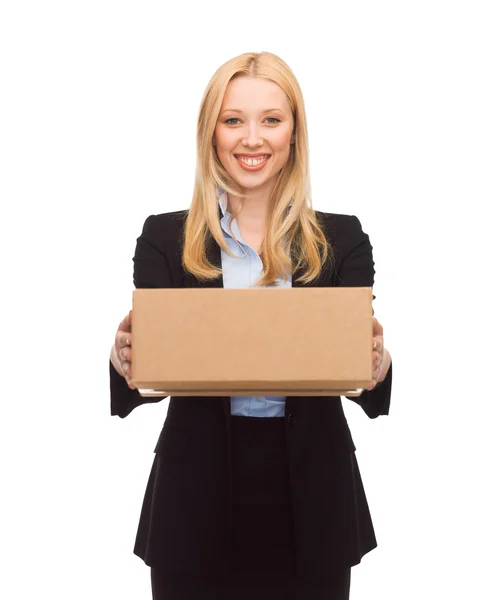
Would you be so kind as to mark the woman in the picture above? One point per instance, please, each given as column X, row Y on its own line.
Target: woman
column 252, row 496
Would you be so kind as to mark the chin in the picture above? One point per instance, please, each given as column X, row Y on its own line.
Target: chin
column 252, row 185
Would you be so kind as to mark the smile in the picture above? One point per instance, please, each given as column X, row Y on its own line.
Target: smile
column 252, row 164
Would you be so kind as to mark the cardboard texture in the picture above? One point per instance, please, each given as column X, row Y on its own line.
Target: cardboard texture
column 255, row 341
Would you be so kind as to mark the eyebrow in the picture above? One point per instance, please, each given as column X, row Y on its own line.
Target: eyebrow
column 237, row 110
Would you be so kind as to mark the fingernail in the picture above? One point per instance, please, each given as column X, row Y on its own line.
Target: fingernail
column 374, row 345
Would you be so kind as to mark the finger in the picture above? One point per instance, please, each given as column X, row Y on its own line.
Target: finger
column 126, row 323
column 126, row 368
column 128, row 378
column 125, row 354
column 377, row 357
column 377, row 327
column 123, row 339
column 378, row 343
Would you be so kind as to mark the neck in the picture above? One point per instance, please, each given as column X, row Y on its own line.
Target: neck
column 255, row 207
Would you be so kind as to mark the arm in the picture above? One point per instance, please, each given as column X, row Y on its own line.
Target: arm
column 357, row 269
column 151, row 270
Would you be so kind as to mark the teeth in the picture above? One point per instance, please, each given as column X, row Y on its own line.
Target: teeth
column 252, row 162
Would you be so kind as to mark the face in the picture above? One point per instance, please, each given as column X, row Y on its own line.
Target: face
column 255, row 121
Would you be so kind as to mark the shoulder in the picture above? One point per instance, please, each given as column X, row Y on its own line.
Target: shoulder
column 341, row 229
column 164, row 226
column 165, row 221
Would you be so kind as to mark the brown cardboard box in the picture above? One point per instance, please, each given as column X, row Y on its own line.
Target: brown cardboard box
column 255, row 341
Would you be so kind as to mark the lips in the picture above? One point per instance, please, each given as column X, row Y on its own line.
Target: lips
column 250, row 162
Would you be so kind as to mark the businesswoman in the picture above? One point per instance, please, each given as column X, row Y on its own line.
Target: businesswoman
column 252, row 496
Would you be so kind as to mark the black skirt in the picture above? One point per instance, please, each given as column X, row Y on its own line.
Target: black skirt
column 263, row 544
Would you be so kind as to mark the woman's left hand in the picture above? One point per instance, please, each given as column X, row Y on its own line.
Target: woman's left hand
column 381, row 356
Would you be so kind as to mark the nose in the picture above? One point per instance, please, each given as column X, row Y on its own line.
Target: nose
column 252, row 138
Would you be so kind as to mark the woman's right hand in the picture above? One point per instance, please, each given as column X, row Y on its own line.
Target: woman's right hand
column 121, row 353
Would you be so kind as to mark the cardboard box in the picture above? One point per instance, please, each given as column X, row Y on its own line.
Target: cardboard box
column 255, row 341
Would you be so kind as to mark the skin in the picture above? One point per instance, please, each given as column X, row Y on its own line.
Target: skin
column 381, row 356
column 121, row 353
column 247, row 125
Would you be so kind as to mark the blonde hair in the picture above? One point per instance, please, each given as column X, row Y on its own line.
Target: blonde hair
column 288, row 230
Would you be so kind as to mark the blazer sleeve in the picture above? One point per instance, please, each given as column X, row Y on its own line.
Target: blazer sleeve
column 151, row 270
column 357, row 270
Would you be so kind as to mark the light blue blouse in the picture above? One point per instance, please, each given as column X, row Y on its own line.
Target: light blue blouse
column 243, row 273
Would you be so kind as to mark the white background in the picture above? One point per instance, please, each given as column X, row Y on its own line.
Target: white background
column 99, row 101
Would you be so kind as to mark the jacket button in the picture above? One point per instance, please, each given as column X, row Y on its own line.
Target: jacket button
column 292, row 419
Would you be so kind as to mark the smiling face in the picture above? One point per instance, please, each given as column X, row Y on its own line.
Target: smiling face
column 254, row 132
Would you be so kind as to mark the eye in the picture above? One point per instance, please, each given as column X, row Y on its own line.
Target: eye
column 228, row 121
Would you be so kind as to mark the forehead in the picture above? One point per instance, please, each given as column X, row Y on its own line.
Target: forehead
column 247, row 93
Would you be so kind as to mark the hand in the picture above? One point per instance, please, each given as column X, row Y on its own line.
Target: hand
column 380, row 355
column 121, row 353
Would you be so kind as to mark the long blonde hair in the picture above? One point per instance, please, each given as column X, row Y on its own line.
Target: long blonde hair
column 294, row 229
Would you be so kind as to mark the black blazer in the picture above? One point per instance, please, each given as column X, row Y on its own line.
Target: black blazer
column 185, row 521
